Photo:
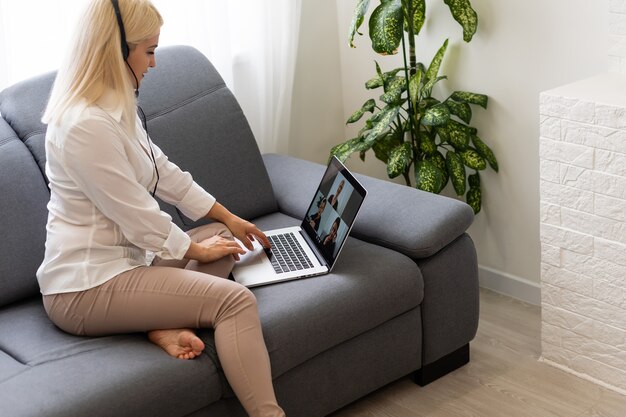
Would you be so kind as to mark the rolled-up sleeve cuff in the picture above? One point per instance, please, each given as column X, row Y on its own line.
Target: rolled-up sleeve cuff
column 196, row 203
column 176, row 245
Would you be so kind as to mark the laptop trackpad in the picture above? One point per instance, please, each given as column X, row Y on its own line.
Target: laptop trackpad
column 253, row 257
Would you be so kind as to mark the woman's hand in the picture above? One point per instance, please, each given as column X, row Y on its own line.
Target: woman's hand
column 240, row 228
column 214, row 248
column 246, row 232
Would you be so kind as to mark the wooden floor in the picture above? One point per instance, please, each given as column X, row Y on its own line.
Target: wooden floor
column 503, row 379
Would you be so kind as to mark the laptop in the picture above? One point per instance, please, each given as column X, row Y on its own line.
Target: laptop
column 312, row 248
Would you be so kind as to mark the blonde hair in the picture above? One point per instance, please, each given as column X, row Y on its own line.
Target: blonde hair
column 94, row 63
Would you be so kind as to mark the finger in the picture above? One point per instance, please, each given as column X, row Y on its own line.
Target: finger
column 234, row 247
column 247, row 243
column 260, row 236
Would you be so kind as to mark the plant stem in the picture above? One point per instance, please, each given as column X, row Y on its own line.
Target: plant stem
column 413, row 123
column 405, row 174
column 412, row 56
column 406, row 74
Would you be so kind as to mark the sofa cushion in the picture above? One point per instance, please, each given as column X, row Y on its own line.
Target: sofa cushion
column 22, row 106
column 123, row 375
column 9, row 367
column 368, row 286
column 197, row 122
column 23, row 220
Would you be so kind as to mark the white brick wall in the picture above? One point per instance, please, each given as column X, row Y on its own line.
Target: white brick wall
column 583, row 230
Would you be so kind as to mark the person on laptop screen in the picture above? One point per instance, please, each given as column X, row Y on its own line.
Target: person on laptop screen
column 329, row 241
column 104, row 174
column 334, row 198
column 316, row 218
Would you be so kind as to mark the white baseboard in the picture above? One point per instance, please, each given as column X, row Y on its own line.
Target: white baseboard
column 510, row 285
column 583, row 376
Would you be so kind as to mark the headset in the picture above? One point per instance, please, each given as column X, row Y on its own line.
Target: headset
column 118, row 14
column 125, row 54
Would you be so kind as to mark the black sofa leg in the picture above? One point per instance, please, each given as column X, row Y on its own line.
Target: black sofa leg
column 443, row 366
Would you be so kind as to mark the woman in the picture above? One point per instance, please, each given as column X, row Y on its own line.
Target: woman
column 103, row 218
column 330, row 240
column 334, row 198
column 314, row 219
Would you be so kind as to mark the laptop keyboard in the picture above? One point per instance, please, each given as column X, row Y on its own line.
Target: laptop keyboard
column 287, row 254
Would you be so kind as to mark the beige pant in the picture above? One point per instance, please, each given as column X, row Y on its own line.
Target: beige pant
column 181, row 294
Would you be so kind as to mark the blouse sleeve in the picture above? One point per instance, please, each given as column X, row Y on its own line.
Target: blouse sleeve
column 178, row 188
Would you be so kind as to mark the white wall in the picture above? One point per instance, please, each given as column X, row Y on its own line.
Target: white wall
column 521, row 48
column 317, row 106
column 617, row 36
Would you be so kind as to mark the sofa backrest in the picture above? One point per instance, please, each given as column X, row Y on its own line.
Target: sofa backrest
column 191, row 115
column 198, row 123
column 23, row 199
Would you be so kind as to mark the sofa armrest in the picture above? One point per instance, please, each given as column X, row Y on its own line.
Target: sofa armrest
column 413, row 222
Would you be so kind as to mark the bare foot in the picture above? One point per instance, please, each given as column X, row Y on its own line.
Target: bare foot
column 179, row 343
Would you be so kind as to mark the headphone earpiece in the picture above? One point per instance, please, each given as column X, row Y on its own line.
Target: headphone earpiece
column 120, row 24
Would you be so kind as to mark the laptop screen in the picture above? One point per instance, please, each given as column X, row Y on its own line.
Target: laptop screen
column 332, row 212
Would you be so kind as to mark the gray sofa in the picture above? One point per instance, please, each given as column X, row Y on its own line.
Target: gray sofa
column 403, row 298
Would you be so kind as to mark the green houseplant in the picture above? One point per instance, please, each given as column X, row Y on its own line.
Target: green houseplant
column 409, row 130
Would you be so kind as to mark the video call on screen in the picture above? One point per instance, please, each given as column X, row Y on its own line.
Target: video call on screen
column 332, row 211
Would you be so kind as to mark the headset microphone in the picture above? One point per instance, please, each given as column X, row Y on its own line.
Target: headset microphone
column 125, row 54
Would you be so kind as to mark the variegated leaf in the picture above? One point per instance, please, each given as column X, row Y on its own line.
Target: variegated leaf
column 461, row 110
column 466, row 16
column 456, row 134
column 472, row 159
column 414, row 87
column 355, row 116
column 368, row 106
column 418, row 9
column 474, row 180
column 357, row 20
column 437, row 115
column 383, row 146
column 486, row 152
column 382, row 79
column 343, row 150
column 375, row 82
column 456, row 170
column 386, row 27
column 438, row 159
column 471, row 98
column 427, row 145
column 393, row 91
column 399, row 160
column 427, row 89
column 435, row 64
column 395, row 83
column 387, row 115
column 474, row 198
column 428, row 177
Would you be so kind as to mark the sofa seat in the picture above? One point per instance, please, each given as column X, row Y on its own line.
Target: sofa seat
column 119, row 375
column 369, row 286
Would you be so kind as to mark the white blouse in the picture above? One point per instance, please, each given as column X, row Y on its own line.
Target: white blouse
column 102, row 217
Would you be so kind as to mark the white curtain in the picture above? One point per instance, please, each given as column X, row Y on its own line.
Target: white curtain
column 252, row 43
